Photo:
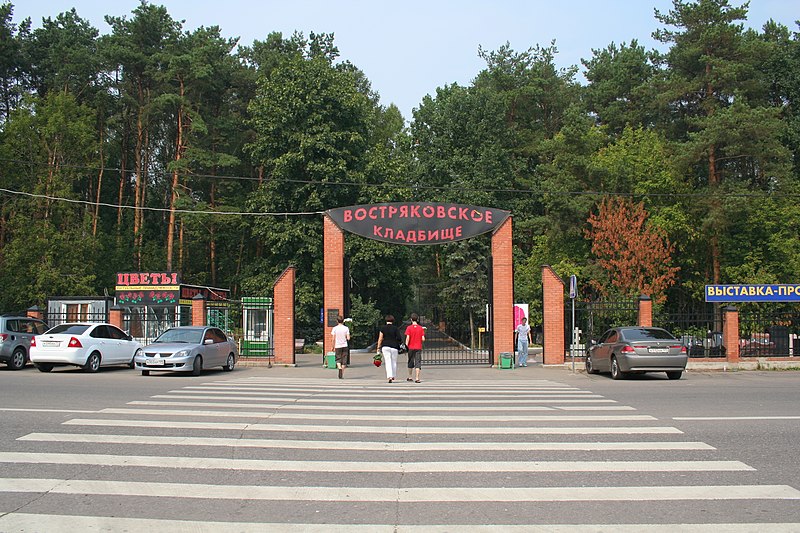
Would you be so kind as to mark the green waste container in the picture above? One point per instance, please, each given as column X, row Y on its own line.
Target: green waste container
column 330, row 360
column 506, row 360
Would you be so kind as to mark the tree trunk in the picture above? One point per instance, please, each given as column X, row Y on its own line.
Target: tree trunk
column 174, row 194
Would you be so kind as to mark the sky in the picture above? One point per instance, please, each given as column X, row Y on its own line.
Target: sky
column 407, row 49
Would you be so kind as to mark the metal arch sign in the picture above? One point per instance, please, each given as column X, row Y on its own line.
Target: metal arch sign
column 415, row 223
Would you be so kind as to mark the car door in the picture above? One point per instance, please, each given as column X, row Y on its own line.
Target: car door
column 601, row 353
column 214, row 350
column 101, row 342
column 123, row 347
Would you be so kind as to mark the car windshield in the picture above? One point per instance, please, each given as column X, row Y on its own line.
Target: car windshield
column 69, row 329
column 647, row 334
column 191, row 336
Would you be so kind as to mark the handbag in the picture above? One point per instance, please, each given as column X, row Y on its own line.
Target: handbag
column 403, row 348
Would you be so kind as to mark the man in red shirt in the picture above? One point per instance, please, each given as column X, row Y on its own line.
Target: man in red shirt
column 415, row 336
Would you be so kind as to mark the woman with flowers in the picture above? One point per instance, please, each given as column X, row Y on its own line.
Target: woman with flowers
column 388, row 346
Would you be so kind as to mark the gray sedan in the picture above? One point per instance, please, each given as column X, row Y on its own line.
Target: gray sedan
column 188, row 349
column 636, row 349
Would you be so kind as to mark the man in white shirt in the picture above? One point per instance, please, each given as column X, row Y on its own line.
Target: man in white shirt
column 341, row 336
column 523, row 333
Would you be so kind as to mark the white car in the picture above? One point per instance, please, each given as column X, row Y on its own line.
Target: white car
column 88, row 346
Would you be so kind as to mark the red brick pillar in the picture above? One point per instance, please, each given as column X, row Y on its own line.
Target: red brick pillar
column 645, row 311
column 199, row 310
column 284, row 317
column 35, row 312
column 115, row 317
column 553, row 317
column 503, row 290
column 333, row 278
column 730, row 333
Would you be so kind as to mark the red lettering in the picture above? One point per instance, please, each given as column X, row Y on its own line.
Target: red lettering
column 122, row 279
column 411, row 236
column 458, row 231
column 447, row 234
column 144, row 278
column 414, row 211
column 400, row 235
column 376, row 231
column 392, row 211
column 477, row 216
column 428, row 211
column 348, row 215
column 421, row 235
column 452, row 212
column 372, row 211
column 462, row 213
column 134, row 279
column 388, row 233
column 403, row 211
column 440, row 211
column 361, row 214
column 488, row 217
column 382, row 209
column 433, row 235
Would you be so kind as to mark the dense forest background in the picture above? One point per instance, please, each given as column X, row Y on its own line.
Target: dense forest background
column 159, row 147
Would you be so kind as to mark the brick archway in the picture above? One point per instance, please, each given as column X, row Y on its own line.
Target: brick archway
column 502, row 317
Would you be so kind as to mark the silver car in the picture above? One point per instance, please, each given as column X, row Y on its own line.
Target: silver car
column 636, row 349
column 188, row 349
column 16, row 333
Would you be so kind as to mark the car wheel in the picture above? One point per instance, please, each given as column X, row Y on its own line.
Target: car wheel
column 675, row 374
column 44, row 367
column 145, row 372
column 616, row 373
column 230, row 363
column 197, row 366
column 589, row 366
column 17, row 359
column 92, row 363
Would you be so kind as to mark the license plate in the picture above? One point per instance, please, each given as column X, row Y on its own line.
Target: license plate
column 50, row 344
column 155, row 362
column 658, row 350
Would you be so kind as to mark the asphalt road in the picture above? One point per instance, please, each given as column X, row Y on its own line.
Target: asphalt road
column 295, row 449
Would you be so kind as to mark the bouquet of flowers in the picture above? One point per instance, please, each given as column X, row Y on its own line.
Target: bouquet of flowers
column 377, row 359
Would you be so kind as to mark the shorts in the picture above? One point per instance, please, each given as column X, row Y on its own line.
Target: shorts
column 342, row 355
column 415, row 359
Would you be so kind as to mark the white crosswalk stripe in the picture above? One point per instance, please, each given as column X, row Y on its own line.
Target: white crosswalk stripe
column 317, row 442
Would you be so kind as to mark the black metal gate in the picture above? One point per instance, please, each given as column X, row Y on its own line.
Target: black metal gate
column 594, row 318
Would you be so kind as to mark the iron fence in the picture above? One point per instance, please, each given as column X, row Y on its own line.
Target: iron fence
column 54, row 319
column 699, row 330
column 592, row 319
column 769, row 333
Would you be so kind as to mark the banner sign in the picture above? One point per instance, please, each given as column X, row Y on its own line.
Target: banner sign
column 163, row 288
column 753, row 293
column 417, row 222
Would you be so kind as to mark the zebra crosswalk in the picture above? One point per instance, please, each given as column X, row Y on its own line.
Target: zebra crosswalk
column 256, row 453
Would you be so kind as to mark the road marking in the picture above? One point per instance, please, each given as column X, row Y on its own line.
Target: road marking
column 403, row 430
column 368, row 445
column 375, row 401
column 34, row 522
column 431, row 394
column 377, row 416
column 34, row 410
column 211, row 463
column 176, row 491
column 787, row 417
column 394, row 407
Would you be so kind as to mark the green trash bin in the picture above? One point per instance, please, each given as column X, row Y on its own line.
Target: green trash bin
column 330, row 360
column 506, row 360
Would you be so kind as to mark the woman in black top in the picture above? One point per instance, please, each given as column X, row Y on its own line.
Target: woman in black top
column 388, row 344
